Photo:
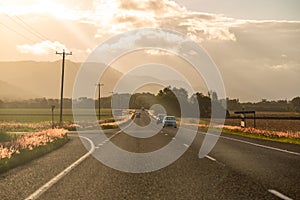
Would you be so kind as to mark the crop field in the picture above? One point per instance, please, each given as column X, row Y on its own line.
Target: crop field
column 43, row 115
column 275, row 121
column 268, row 124
column 272, row 114
column 27, row 120
column 271, row 121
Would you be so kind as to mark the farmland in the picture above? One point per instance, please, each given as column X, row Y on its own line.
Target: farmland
column 271, row 121
column 26, row 120
column 42, row 115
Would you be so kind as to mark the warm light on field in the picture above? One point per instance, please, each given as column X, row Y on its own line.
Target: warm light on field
column 30, row 141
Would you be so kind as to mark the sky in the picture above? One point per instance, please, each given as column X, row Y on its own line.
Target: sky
column 255, row 44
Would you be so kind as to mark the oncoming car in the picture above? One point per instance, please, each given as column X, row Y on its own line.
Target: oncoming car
column 160, row 118
column 138, row 115
column 169, row 121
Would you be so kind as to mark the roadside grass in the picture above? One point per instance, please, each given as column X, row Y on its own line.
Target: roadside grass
column 6, row 137
column 27, row 155
column 285, row 136
column 262, row 137
column 36, row 120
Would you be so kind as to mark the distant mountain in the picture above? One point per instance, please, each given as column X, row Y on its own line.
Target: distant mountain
column 30, row 79
column 43, row 79
column 11, row 92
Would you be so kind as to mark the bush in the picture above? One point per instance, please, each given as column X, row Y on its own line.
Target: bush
column 27, row 155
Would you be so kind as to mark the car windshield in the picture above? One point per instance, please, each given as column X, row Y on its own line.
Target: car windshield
column 170, row 118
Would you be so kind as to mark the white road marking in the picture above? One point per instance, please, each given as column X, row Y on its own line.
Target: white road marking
column 166, row 134
column 54, row 180
column 211, row 158
column 260, row 145
column 186, row 145
column 173, row 138
column 97, row 147
column 246, row 142
column 279, row 195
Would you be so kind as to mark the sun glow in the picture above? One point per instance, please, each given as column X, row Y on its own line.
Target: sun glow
column 38, row 7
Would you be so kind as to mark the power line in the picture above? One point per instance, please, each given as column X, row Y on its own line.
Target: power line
column 37, row 32
column 30, row 30
column 9, row 28
column 27, row 27
column 24, row 27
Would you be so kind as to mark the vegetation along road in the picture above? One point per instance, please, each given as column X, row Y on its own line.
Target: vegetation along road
column 237, row 168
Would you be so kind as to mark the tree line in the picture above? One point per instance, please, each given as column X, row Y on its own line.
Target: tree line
column 172, row 99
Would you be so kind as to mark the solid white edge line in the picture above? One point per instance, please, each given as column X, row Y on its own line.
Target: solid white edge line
column 54, row 180
column 210, row 158
column 279, row 195
column 258, row 145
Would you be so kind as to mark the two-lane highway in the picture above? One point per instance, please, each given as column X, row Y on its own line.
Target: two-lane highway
column 237, row 168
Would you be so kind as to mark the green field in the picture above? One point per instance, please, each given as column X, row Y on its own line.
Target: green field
column 42, row 115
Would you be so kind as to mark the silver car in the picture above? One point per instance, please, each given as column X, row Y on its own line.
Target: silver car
column 169, row 121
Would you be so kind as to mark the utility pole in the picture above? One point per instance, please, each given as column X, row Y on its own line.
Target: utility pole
column 99, row 97
column 52, row 109
column 64, row 54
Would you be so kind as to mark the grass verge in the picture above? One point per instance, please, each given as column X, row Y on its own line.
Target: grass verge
column 262, row 137
column 5, row 137
column 256, row 136
column 27, row 155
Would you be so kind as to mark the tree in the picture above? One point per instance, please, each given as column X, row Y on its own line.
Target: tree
column 296, row 104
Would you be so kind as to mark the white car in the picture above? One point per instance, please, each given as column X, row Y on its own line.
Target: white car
column 160, row 118
column 169, row 121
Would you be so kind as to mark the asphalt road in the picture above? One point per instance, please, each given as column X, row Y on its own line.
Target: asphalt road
column 237, row 168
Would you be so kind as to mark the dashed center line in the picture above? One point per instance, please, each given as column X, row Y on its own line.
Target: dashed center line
column 210, row 158
column 173, row 138
column 166, row 134
column 186, row 145
column 279, row 195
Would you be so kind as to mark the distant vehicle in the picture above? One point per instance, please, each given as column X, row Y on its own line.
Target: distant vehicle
column 143, row 109
column 160, row 118
column 169, row 121
column 138, row 115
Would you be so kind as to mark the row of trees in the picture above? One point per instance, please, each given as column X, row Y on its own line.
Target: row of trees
column 172, row 99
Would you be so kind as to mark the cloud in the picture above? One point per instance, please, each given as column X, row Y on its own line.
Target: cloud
column 155, row 52
column 42, row 48
column 280, row 67
column 117, row 16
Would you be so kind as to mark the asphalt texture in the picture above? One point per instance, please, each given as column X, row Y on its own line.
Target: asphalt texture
column 236, row 168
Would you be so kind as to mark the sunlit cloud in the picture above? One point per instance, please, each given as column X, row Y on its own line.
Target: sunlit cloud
column 124, row 15
column 41, row 7
column 117, row 16
column 156, row 52
column 42, row 48
column 280, row 67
